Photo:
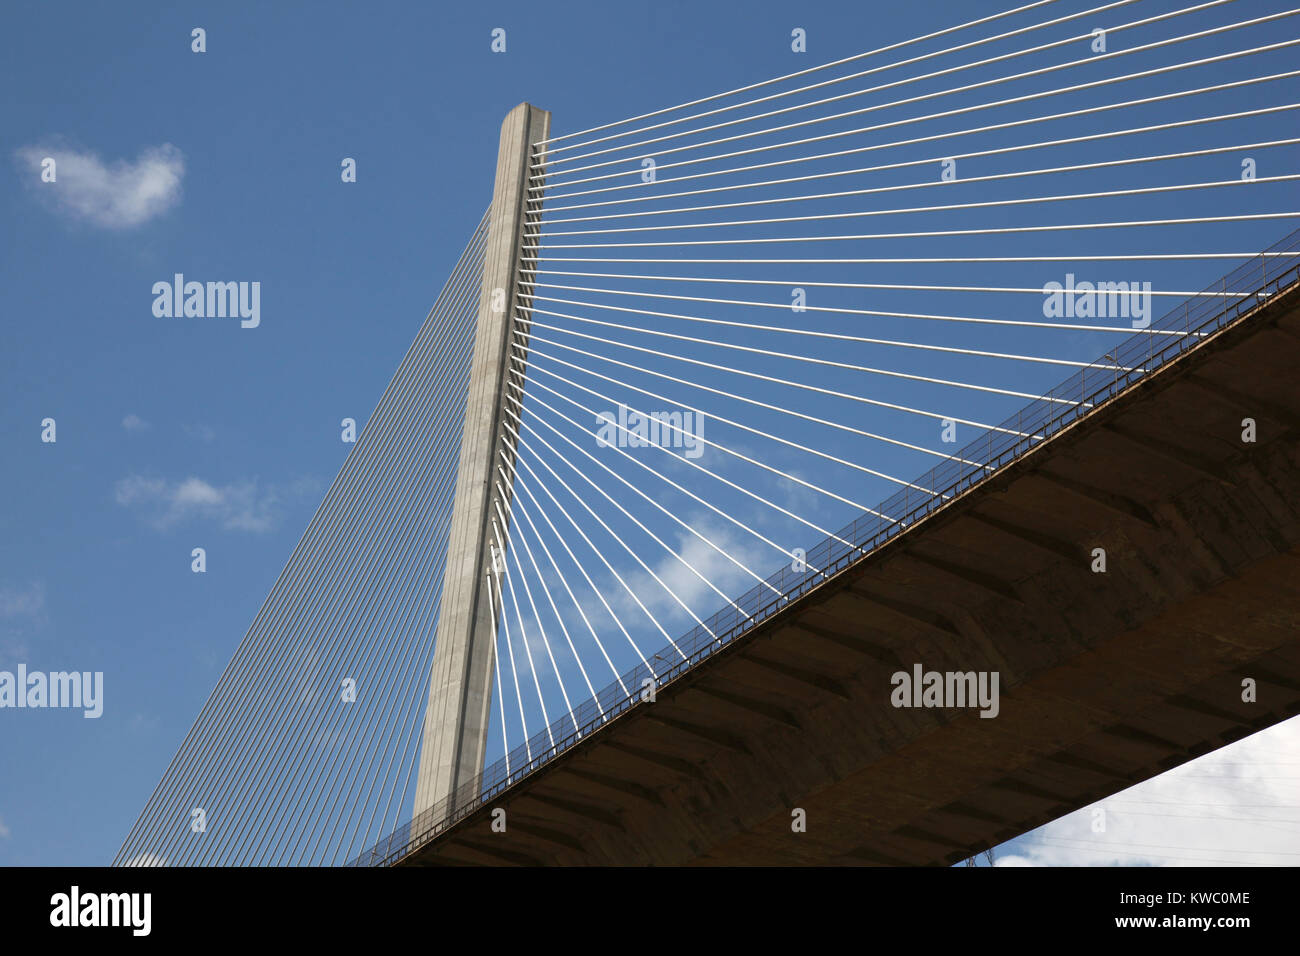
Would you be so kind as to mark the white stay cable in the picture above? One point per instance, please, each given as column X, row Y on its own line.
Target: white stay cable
column 514, row 671
column 730, row 484
column 673, row 594
column 960, row 68
column 791, row 284
column 1106, row 108
column 518, row 508
column 1018, row 149
column 861, row 214
column 501, row 690
column 519, row 484
column 926, row 184
column 1097, row 58
column 520, row 443
column 537, row 618
column 667, row 480
column 712, row 444
column 755, row 402
column 805, row 72
column 523, row 636
column 534, row 353
column 1042, row 360
column 785, row 306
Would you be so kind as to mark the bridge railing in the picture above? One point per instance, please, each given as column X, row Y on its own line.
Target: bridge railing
column 1199, row 318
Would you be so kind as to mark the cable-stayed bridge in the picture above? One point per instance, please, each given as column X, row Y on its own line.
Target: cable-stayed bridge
column 984, row 340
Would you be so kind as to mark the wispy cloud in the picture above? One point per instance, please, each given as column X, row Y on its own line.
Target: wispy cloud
column 22, row 613
column 239, row 506
column 689, row 578
column 203, row 433
column 134, row 423
column 1235, row 806
column 115, row 195
column 26, row 602
column 693, row 590
column 4, row 830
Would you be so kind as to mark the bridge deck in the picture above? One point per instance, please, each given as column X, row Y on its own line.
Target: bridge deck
column 1106, row 679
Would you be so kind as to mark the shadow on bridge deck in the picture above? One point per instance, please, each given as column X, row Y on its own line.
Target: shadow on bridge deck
column 1106, row 678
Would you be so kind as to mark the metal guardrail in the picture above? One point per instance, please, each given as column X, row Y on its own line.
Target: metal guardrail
column 1199, row 318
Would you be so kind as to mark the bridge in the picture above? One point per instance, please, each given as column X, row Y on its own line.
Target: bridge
column 580, row 457
column 1137, row 677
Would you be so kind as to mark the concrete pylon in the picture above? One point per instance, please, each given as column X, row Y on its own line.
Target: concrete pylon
column 454, row 743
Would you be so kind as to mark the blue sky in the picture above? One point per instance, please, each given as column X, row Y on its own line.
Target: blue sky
column 176, row 434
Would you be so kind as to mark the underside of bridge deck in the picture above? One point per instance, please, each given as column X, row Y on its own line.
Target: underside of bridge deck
column 1106, row 678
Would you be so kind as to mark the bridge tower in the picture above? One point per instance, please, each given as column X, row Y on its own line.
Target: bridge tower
column 454, row 741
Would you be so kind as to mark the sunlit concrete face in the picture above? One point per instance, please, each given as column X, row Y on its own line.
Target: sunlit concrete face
column 454, row 741
column 1106, row 677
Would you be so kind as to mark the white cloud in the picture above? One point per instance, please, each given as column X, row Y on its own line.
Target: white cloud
column 134, row 423
column 195, row 492
column 22, row 615
column 713, row 566
column 1235, row 806
column 4, row 830
column 115, row 195
column 239, row 506
column 22, row 602
column 674, row 574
